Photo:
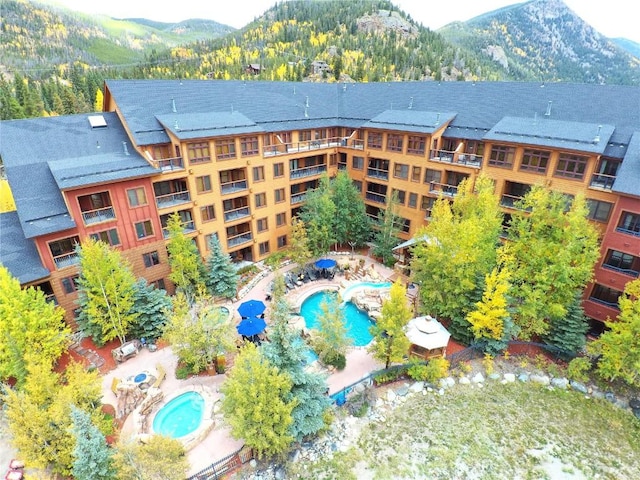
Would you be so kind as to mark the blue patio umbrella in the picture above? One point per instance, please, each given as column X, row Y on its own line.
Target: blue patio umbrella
column 251, row 326
column 326, row 263
column 251, row 308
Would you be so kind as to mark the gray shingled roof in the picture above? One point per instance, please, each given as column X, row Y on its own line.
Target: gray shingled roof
column 628, row 175
column 410, row 120
column 545, row 132
column 186, row 126
column 42, row 156
column 18, row 254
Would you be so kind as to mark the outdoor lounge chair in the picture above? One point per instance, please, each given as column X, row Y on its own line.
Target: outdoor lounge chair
column 161, row 374
column 114, row 385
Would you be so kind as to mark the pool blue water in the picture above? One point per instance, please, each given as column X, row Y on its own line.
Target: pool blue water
column 358, row 286
column 181, row 416
column 356, row 321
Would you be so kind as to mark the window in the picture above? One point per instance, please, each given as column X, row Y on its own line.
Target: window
column 571, row 166
column 159, row 284
column 358, row 163
column 629, row 223
column 427, row 204
column 208, row 238
column 282, row 241
column 279, row 195
column 203, row 184
column 198, row 153
column 281, row 219
column 535, row 161
column 248, row 146
column 605, row 295
column 258, row 174
column 394, row 142
column 358, row 185
column 70, row 284
column 413, row 200
column 502, row 156
column 207, row 213
column 225, row 148
column 137, row 197
column 599, row 210
column 622, row 262
column 401, row 195
column 261, row 200
column 150, row 259
column 278, row 170
column 144, row 229
column 404, row 224
column 400, row 170
column 109, row 237
column 262, row 224
column 264, row 248
column 65, row 248
column 416, row 174
column 374, row 140
column 416, row 145
column 431, row 175
column 304, row 135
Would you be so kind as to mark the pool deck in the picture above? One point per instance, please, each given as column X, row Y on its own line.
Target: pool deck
column 219, row 442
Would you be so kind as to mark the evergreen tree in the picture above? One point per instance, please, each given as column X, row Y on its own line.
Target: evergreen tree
column 352, row 225
column 187, row 268
column 151, row 304
column 257, row 403
column 93, row 458
column 106, row 292
column 386, row 235
column 286, row 351
column 222, row 276
column 390, row 342
column 569, row 334
column 28, row 323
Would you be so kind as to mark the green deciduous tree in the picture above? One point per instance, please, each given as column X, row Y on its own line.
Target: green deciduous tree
column 286, row 351
column 331, row 340
column 106, row 292
column 351, row 221
column 570, row 332
column 160, row 458
column 386, row 234
column 390, row 342
column 258, row 404
column 459, row 250
column 490, row 322
column 187, row 268
column 222, row 276
column 198, row 334
column 28, row 323
column 93, row 457
column 619, row 347
column 550, row 253
column 39, row 416
column 318, row 214
column 151, row 304
column 299, row 251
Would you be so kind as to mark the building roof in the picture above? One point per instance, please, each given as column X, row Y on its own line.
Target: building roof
column 18, row 254
column 186, row 126
column 44, row 156
column 410, row 120
column 628, row 176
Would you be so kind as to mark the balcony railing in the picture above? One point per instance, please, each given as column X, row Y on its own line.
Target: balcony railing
column 342, row 166
column 171, row 199
column 298, row 198
column 376, row 197
column 232, row 187
column 187, row 227
column 624, row 271
column 628, row 231
column 307, row 171
column 169, row 164
column 378, row 173
column 239, row 239
column 443, row 188
column 446, row 156
column 231, row 215
column 605, row 302
column 99, row 215
column 600, row 180
column 295, row 147
column 66, row 260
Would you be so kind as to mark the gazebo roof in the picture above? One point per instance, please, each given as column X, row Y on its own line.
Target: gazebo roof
column 427, row 332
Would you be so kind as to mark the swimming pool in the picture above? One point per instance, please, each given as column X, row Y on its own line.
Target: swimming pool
column 357, row 321
column 351, row 289
column 180, row 416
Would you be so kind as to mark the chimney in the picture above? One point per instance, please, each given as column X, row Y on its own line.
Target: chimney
column 548, row 112
column 126, row 150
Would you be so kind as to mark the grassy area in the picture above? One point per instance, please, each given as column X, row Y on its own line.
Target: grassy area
column 500, row 431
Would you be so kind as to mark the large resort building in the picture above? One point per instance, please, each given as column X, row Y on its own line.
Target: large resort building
column 236, row 159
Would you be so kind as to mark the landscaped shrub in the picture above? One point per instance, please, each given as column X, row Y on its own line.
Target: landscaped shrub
column 417, row 370
column 578, row 369
column 389, row 375
column 337, row 360
column 275, row 259
column 437, row 368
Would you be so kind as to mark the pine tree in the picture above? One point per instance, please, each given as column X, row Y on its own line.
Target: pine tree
column 93, row 458
column 386, row 235
column 151, row 304
column 569, row 334
column 222, row 276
